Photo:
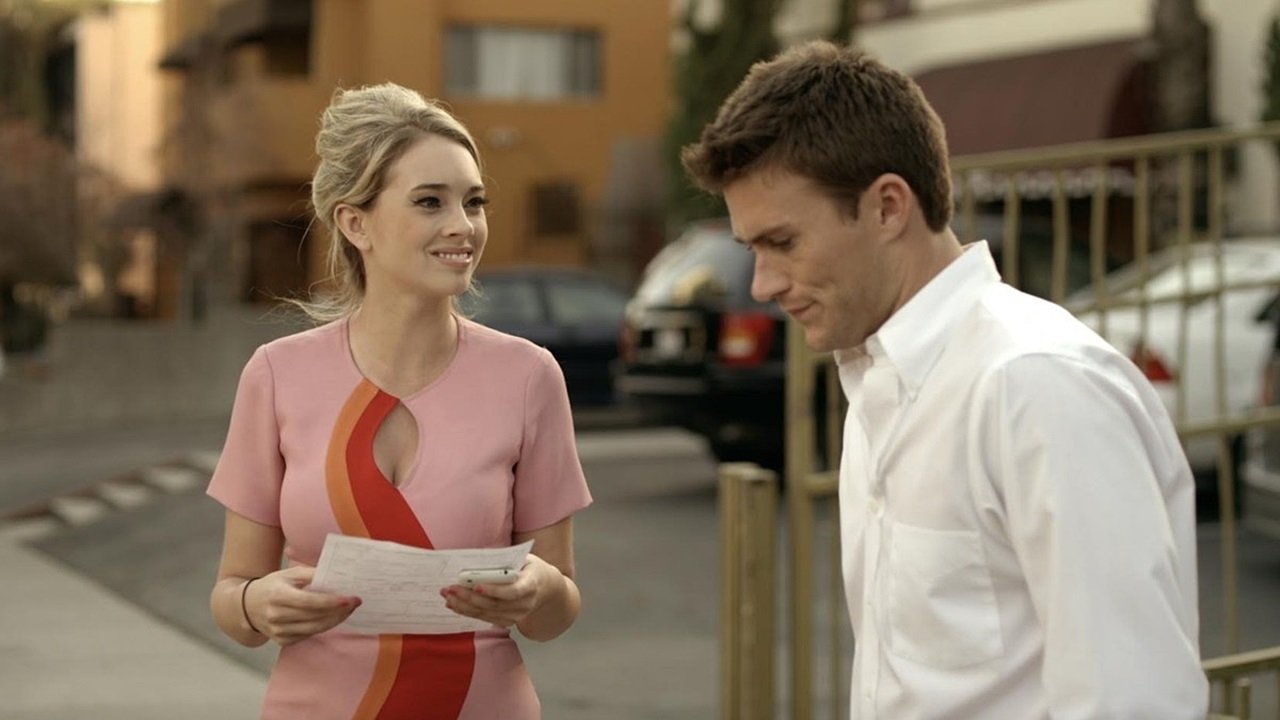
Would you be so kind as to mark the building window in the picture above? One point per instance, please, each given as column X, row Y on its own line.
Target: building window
column 556, row 209
column 503, row 63
column 287, row 54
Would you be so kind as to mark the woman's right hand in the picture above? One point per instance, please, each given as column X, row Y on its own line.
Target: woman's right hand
column 281, row 607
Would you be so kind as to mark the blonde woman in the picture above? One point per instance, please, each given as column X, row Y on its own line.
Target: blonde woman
column 398, row 420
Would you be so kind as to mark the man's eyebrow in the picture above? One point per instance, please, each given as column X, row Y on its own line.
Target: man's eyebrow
column 774, row 230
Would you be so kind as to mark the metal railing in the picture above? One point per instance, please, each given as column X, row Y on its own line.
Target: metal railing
column 1188, row 167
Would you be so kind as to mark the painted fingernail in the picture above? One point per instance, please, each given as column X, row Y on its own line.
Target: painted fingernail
column 478, row 590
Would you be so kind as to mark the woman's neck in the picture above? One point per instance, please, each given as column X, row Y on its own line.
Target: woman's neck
column 403, row 346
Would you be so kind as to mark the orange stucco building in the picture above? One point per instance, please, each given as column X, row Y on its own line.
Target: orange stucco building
column 566, row 98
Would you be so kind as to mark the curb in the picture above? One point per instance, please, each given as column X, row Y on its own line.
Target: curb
column 117, row 493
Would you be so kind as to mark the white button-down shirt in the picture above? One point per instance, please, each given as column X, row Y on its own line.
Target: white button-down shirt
column 1017, row 517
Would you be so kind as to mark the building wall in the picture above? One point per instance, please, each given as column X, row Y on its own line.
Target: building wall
column 1239, row 44
column 954, row 32
column 267, row 123
column 119, row 89
column 941, row 33
column 526, row 143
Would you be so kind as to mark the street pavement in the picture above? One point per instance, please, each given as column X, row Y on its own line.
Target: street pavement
column 108, row 548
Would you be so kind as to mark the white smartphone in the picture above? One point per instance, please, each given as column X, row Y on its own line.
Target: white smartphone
column 488, row 576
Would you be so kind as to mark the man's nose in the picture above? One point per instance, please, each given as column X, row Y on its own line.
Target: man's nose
column 767, row 282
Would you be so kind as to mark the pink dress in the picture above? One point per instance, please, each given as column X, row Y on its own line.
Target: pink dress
column 496, row 456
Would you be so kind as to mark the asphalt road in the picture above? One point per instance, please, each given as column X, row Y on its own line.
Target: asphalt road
column 646, row 644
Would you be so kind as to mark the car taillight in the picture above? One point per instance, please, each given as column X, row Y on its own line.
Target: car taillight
column 745, row 338
column 1151, row 364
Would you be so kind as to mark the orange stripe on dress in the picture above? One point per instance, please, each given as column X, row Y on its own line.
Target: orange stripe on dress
column 419, row 677
column 384, row 678
column 337, row 482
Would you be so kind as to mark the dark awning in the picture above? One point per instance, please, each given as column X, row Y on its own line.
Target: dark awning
column 245, row 21
column 1061, row 96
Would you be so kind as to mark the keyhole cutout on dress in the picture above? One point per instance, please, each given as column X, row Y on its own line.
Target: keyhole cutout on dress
column 395, row 446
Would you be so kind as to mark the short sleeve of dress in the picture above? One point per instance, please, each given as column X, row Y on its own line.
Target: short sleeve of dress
column 549, row 483
column 250, row 470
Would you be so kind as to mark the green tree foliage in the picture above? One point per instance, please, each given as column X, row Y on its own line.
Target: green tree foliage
column 711, row 66
column 28, row 31
column 1271, row 76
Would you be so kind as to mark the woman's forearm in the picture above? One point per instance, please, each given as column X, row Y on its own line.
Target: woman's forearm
column 557, row 611
column 225, row 604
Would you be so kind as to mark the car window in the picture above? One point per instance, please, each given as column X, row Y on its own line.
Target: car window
column 702, row 265
column 579, row 303
column 1200, row 275
column 1165, row 275
column 504, row 301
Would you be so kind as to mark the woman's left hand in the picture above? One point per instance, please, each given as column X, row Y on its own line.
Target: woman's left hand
column 505, row 605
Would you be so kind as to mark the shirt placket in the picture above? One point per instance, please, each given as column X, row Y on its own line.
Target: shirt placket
column 879, row 408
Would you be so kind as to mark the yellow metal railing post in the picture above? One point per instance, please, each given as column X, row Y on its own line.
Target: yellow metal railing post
column 1185, row 178
column 748, row 537
column 799, row 466
column 1012, row 243
column 1226, row 456
column 1061, row 239
column 1098, row 245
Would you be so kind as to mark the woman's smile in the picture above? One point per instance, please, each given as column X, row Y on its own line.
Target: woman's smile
column 460, row 258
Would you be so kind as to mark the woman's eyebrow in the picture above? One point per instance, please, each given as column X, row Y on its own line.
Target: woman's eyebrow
column 444, row 186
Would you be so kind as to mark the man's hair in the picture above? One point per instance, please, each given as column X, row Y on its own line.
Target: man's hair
column 835, row 115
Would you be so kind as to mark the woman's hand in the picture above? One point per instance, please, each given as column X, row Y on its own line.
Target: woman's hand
column 506, row 605
column 280, row 606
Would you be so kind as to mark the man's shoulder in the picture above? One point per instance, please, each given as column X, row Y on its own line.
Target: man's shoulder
column 1011, row 324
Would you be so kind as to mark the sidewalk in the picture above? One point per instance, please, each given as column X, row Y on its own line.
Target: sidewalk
column 96, row 655
column 120, row 397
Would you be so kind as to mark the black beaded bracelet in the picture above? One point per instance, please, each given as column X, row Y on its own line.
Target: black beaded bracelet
column 244, row 609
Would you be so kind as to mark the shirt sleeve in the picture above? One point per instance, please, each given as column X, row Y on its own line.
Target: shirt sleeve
column 549, row 483
column 250, row 470
column 1098, row 499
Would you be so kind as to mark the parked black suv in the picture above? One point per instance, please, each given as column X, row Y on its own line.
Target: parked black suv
column 697, row 352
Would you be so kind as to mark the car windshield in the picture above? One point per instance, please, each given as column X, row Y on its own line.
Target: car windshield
column 504, row 301
column 1169, row 277
column 702, row 266
column 575, row 302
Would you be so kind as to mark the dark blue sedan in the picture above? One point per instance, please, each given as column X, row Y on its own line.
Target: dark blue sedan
column 575, row 314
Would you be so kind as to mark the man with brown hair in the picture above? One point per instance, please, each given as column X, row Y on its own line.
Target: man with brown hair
column 1017, row 516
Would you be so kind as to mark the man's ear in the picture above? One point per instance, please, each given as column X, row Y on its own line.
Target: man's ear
column 350, row 221
column 891, row 200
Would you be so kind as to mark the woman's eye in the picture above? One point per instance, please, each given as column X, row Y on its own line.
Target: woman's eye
column 429, row 202
column 478, row 202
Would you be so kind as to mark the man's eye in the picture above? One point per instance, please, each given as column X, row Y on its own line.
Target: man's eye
column 780, row 243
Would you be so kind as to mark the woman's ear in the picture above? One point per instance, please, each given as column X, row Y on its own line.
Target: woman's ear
column 351, row 221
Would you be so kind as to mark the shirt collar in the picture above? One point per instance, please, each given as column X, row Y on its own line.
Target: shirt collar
column 913, row 338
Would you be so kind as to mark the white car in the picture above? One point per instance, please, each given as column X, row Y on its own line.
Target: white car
column 1262, row 468
column 1247, row 329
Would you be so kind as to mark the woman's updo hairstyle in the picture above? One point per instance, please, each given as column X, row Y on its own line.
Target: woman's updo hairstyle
column 362, row 133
